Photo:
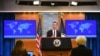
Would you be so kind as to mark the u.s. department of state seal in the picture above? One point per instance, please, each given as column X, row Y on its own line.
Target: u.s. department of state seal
column 56, row 42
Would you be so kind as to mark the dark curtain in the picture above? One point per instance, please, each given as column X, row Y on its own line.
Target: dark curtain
column 1, row 35
column 6, row 45
column 94, row 43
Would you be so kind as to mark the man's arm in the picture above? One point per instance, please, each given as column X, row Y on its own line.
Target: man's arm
column 73, row 52
column 48, row 33
column 90, row 54
column 59, row 34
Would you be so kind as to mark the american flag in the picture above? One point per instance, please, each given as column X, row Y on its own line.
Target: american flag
column 39, row 37
column 62, row 28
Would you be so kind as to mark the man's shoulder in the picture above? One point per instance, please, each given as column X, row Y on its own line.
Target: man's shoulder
column 85, row 48
column 88, row 49
column 58, row 31
column 49, row 30
column 75, row 48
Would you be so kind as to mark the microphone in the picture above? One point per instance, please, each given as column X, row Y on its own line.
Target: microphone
column 63, row 35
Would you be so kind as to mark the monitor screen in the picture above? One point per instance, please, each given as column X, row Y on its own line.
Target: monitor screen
column 19, row 28
column 30, row 53
column 81, row 27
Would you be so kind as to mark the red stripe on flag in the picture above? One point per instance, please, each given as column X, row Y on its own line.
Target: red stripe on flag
column 38, row 41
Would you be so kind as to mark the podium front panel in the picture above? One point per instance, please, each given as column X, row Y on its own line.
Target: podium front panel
column 57, row 44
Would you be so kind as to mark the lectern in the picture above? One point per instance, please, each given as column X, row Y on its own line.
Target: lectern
column 55, row 46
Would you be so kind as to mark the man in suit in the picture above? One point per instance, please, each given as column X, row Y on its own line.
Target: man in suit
column 54, row 32
column 81, row 50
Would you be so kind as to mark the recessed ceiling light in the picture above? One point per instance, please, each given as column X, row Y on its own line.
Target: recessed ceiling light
column 74, row 3
column 52, row 4
column 36, row 2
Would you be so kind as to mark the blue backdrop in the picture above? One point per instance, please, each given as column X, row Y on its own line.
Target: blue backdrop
column 94, row 43
column 1, row 35
column 6, row 45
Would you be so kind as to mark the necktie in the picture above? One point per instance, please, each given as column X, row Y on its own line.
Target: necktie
column 54, row 33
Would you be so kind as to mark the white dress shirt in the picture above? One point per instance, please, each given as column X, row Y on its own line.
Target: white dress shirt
column 54, row 33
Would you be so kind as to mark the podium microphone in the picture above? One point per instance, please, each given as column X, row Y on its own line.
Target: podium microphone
column 63, row 35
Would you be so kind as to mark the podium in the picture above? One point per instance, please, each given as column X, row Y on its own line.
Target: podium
column 56, row 46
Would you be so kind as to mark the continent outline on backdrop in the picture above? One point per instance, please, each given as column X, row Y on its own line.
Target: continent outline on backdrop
column 81, row 27
column 21, row 27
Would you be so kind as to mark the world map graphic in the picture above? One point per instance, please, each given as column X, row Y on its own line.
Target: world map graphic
column 80, row 27
column 15, row 27
column 76, row 26
column 19, row 28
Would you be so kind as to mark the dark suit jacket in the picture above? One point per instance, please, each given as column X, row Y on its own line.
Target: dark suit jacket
column 81, row 51
column 49, row 33
column 19, row 53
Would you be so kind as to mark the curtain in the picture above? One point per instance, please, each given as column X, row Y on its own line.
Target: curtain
column 6, row 45
column 1, row 35
column 94, row 43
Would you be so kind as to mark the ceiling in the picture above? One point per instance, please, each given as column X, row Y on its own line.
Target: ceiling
column 12, row 6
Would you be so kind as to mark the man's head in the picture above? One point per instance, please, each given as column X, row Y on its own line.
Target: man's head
column 81, row 40
column 54, row 25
